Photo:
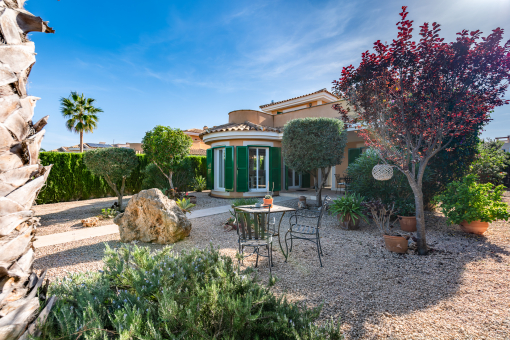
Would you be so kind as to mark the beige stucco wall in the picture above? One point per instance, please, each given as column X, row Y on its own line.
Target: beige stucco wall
column 257, row 117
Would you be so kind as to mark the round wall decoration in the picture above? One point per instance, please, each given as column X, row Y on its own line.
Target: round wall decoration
column 382, row 172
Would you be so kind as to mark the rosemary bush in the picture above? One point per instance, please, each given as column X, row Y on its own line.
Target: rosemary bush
column 165, row 295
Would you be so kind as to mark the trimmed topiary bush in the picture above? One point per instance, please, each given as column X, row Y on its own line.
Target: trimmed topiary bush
column 164, row 295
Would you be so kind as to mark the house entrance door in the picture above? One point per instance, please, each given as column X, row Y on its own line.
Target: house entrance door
column 294, row 179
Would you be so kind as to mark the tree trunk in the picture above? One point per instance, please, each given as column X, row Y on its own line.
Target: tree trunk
column 420, row 214
column 21, row 174
column 318, row 187
column 170, row 175
column 119, row 200
column 81, row 141
column 114, row 188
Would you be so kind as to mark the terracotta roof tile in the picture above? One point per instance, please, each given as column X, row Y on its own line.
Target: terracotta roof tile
column 246, row 126
column 286, row 100
column 194, row 130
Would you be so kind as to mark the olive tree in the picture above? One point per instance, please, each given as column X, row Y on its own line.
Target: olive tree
column 114, row 165
column 314, row 144
column 167, row 148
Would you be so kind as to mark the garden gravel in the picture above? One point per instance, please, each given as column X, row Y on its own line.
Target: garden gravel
column 67, row 216
column 459, row 291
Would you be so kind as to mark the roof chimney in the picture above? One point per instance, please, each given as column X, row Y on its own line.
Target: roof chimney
column 102, row 142
column 205, row 127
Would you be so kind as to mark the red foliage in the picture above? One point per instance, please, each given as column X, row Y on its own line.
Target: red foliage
column 411, row 98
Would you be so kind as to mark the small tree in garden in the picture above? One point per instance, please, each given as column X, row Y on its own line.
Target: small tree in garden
column 413, row 98
column 114, row 165
column 167, row 148
column 312, row 145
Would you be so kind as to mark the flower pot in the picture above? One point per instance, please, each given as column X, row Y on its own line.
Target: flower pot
column 192, row 199
column 474, row 227
column 348, row 223
column 396, row 244
column 268, row 201
column 407, row 223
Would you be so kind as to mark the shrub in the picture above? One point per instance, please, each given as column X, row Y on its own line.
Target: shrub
column 200, row 183
column 490, row 163
column 349, row 207
column 183, row 176
column 470, row 201
column 70, row 180
column 397, row 188
column 163, row 295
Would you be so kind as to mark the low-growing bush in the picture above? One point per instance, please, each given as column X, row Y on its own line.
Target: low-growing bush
column 164, row 295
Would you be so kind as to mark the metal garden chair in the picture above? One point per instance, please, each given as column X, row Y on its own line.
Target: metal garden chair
column 255, row 230
column 302, row 231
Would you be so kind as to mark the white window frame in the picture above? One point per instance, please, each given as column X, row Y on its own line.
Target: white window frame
column 266, row 189
column 217, row 168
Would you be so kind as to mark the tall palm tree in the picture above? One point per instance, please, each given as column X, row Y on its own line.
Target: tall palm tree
column 22, row 293
column 81, row 113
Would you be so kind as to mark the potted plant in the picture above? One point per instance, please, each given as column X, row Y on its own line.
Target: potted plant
column 406, row 215
column 268, row 200
column 472, row 205
column 192, row 198
column 381, row 214
column 349, row 210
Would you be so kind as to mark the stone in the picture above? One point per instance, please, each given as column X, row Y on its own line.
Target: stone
column 152, row 217
column 90, row 222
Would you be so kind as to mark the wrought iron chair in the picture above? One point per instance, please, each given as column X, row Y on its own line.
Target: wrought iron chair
column 256, row 233
column 340, row 184
column 298, row 231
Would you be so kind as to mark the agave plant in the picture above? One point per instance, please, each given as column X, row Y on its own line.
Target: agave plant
column 21, row 175
column 185, row 204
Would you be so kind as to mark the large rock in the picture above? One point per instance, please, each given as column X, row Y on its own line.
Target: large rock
column 150, row 216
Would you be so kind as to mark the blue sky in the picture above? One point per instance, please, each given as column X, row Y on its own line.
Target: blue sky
column 186, row 64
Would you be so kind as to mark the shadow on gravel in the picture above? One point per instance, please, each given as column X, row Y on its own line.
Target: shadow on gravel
column 402, row 284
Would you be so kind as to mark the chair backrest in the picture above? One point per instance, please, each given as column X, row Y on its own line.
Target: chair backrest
column 251, row 226
column 338, row 178
column 323, row 209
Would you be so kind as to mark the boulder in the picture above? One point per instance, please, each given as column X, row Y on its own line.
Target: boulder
column 152, row 217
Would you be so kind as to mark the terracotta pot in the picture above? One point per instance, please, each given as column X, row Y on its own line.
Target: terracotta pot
column 474, row 227
column 192, row 199
column 268, row 201
column 407, row 223
column 347, row 222
column 396, row 244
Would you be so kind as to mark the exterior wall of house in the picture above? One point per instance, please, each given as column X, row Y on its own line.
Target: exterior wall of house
column 243, row 142
column 257, row 117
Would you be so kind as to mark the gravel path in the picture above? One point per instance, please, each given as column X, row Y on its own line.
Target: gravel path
column 67, row 216
column 459, row 291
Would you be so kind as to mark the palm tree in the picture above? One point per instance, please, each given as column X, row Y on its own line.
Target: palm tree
column 81, row 113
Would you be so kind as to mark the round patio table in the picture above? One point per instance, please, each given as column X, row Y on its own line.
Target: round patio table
column 252, row 209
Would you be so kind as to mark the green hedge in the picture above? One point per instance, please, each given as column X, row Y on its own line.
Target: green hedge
column 70, row 180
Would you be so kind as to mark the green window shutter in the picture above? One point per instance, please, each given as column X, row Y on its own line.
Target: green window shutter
column 305, row 180
column 275, row 169
column 210, row 169
column 229, row 168
column 242, row 168
column 353, row 154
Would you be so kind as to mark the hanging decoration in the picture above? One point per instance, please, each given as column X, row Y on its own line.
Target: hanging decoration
column 382, row 172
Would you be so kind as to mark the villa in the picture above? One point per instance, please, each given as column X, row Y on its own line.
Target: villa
column 245, row 158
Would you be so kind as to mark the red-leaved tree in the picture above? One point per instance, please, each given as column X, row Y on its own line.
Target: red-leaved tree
column 411, row 98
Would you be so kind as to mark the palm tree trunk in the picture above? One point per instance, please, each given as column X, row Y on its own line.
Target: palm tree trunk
column 81, row 141
column 21, row 176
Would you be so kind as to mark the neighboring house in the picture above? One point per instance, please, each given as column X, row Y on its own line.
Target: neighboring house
column 245, row 156
column 506, row 140
column 199, row 147
column 100, row 145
